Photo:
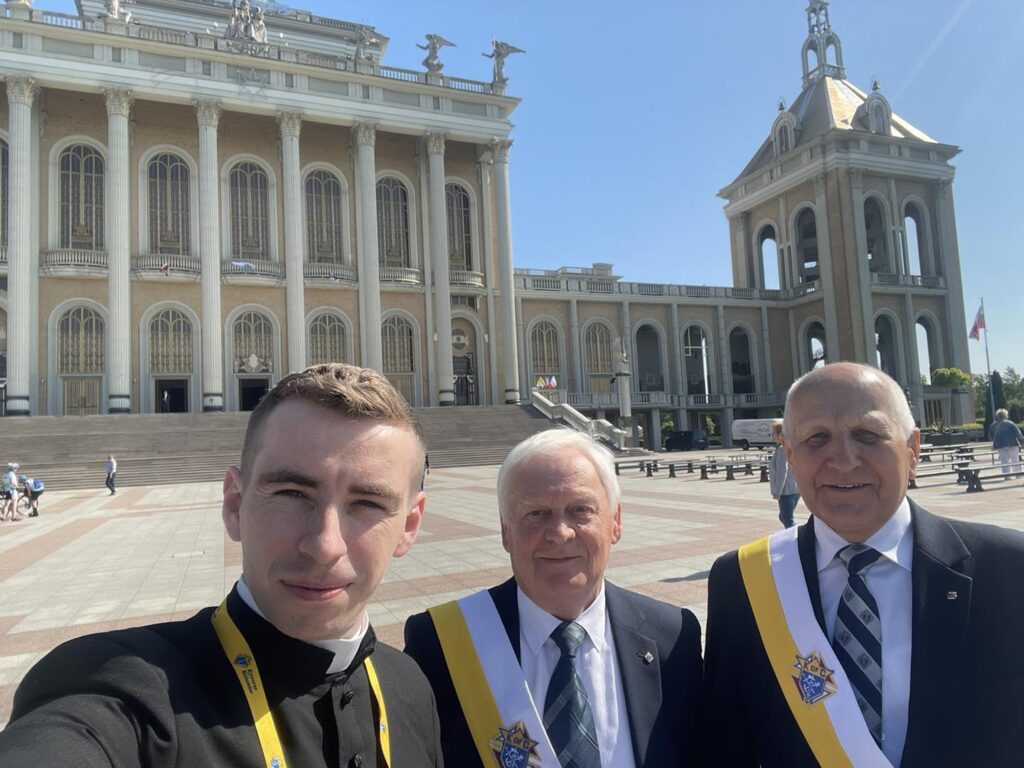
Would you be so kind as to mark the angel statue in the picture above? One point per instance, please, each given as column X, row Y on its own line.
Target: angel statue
column 113, row 10
column 365, row 38
column 500, row 52
column 434, row 44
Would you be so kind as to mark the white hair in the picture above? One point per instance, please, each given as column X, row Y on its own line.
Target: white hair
column 559, row 441
column 894, row 399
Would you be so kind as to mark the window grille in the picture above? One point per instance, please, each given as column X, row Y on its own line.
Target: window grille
column 460, row 245
column 393, row 223
column 599, row 357
column 545, row 354
column 170, row 342
column 326, row 339
column 324, row 243
column 399, row 361
column 81, row 198
column 250, row 212
column 169, row 206
column 253, row 336
column 696, row 352
column 80, row 342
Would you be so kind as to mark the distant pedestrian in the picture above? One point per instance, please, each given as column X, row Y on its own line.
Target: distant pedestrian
column 9, row 493
column 167, row 401
column 33, row 488
column 783, row 482
column 1007, row 440
column 111, row 474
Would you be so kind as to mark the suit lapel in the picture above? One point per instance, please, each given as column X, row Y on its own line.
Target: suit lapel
column 805, row 543
column 506, row 600
column 941, row 607
column 639, row 671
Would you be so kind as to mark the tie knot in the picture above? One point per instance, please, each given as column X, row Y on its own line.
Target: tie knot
column 858, row 558
column 568, row 636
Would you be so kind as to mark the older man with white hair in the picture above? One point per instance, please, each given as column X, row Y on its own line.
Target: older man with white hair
column 877, row 634
column 557, row 667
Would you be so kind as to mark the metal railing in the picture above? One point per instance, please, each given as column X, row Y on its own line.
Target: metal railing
column 401, row 275
column 908, row 281
column 75, row 257
column 599, row 429
column 255, row 267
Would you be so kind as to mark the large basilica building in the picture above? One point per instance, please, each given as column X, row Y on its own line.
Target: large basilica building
column 199, row 196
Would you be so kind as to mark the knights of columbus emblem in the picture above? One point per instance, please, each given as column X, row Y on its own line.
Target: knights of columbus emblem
column 815, row 680
column 513, row 748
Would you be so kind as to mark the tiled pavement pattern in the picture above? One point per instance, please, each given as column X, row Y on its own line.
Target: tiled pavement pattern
column 93, row 562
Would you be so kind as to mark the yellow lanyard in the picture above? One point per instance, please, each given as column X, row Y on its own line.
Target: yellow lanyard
column 244, row 663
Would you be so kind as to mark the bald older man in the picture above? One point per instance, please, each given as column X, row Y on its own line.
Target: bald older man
column 877, row 634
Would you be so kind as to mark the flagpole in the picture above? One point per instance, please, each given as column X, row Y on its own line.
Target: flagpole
column 988, row 365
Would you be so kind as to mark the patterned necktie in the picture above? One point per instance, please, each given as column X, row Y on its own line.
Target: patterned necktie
column 568, row 718
column 857, row 638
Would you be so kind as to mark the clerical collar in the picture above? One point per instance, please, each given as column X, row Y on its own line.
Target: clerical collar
column 344, row 648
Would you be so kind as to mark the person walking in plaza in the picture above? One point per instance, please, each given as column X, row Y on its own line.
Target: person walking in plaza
column 111, row 474
column 1006, row 440
column 558, row 666
column 9, row 493
column 783, row 482
column 877, row 634
column 287, row 671
column 32, row 488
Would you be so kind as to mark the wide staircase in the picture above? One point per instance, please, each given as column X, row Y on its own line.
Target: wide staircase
column 71, row 451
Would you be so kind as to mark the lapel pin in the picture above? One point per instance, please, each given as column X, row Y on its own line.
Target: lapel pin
column 647, row 657
column 951, row 595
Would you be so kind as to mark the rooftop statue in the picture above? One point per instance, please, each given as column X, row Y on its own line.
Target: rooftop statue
column 500, row 52
column 246, row 28
column 434, row 44
column 114, row 11
column 365, row 38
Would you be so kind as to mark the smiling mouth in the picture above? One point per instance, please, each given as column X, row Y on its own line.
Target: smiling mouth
column 315, row 592
column 847, row 486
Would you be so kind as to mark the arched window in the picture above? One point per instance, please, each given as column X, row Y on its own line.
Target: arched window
column 393, row 223
column 782, row 140
column 80, row 342
column 807, row 246
column 324, row 233
column 81, row 198
column 742, row 367
column 885, row 346
column 326, row 339
column 170, row 342
column 877, row 243
column 5, row 162
column 928, row 354
column 600, row 368
column 253, row 337
column 250, row 212
column 460, row 245
column 914, row 223
column 697, row 358
column 815, row 346
column 768, row 247
column 545, row 355
column 397, row 339
column 170, row 225
column 647, row 372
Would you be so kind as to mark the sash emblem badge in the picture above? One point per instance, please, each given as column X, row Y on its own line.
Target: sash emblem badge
column 814, row 680
column 513, row 748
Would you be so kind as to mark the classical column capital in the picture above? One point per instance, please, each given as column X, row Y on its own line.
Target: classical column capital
column 21, row 90
column 208, row 113
column 500, row 148
column 819, row 184
column 291, row 123
column 435, row 143
column 943, row 187
column 119, row 101
column 365, row 134
column 856, row 176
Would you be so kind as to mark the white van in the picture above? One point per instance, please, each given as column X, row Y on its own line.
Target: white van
column 748, row 432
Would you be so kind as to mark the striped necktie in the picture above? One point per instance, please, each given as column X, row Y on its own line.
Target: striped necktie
column 857, row 637
column 568, row 718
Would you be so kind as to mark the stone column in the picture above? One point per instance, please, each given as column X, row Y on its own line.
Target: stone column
column 118, row 222
column 487, row 263
column 862, row 298
column 506, row 280
column 208, row 115
column 294, row 261
column 21, row 92
column 576, row 347
column 365, row 137
column 913, row 362
column 766, row 347
column 748, row 274
column 725, row 365
column 442, row 282
column 949, row 258
column 828, row 286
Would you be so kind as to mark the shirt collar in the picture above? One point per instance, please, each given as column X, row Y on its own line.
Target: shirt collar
column 344, row 648
column 536, row 624
column 894, row 540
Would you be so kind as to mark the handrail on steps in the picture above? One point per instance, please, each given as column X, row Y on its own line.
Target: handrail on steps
column 599, row 429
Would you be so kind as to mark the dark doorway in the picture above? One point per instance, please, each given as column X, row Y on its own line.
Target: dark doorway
column 171, row 396
column 250, row 392
column 465, row 380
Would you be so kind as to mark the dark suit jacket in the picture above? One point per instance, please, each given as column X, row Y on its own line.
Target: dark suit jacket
column 967, row 659
column 661, row 697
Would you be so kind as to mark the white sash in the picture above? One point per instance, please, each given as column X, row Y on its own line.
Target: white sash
column 842, row 708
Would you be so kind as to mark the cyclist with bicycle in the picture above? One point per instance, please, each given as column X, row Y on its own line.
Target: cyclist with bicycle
column 31, row 489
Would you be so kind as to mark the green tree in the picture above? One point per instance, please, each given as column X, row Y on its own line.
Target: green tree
column 1013, row 385
column 951, row 377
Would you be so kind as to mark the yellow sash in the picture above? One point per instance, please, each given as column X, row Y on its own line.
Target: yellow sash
column 244, row 663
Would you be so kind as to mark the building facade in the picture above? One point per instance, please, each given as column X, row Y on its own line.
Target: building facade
column 198, row 199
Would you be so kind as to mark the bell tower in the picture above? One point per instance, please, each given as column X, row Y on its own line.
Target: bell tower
column 822, row 53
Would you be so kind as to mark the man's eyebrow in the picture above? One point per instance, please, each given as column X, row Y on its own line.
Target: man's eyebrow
column 378, row 491
column 285, row 477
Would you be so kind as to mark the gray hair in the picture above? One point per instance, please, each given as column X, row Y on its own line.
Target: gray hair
column 557, row 441
column 896, row 404
column 1002, row 414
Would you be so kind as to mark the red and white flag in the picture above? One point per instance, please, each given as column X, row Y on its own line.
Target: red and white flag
column 979, row 323
column 166, row 268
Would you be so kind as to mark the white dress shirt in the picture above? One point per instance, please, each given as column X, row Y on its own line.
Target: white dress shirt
column 596, row 664
column 890, row 582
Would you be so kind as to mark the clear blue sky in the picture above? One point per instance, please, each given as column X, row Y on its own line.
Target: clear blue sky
column 635, row 114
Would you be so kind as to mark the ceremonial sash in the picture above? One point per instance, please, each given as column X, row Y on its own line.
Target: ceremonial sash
column 808, row 671
column 237, row 650
column 502, row 717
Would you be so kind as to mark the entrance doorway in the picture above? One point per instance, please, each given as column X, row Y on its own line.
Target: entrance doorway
column 171, row 396
column 81, row 396
column 465, row 380
column 251, row 391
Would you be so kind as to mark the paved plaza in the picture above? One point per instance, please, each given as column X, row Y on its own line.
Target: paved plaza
column 93, row 562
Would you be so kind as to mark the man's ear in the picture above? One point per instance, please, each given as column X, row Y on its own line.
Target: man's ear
column 231, row 507
column 412, row 525
column 914, row 444
column 617, row 530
